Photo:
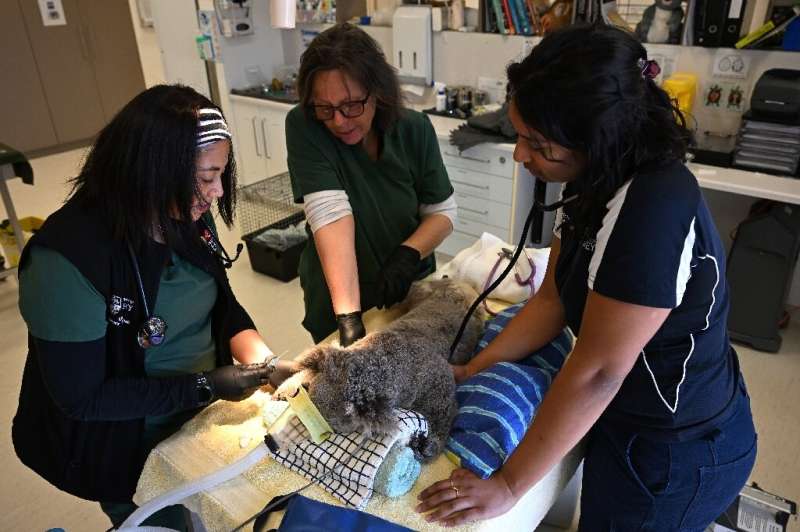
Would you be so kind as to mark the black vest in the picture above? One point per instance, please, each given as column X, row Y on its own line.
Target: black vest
column 102, row 460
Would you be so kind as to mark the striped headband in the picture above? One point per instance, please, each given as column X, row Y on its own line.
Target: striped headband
column 211, row 127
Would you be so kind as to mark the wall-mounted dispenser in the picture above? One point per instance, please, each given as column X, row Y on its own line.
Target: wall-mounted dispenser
column 235, row 18
column 412, row 43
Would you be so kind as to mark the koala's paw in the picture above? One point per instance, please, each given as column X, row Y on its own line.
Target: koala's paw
column 425, row 447
column 290, row 386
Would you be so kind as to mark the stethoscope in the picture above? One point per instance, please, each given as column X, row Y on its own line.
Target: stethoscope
column 536, row 207
column 154, row 329
column 216, row 246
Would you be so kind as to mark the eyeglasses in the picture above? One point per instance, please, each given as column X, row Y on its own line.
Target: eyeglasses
column 351, row 109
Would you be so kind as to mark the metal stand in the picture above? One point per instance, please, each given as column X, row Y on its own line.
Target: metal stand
column 6, row 173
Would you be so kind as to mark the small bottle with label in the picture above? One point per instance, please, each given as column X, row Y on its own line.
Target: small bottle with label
column 441, row 100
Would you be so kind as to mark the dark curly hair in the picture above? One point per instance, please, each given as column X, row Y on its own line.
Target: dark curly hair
column 348, row 48
column 582, row 88
column 141, row 168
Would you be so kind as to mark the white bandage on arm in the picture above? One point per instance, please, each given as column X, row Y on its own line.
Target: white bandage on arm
column 447, row 207
column 325, row 207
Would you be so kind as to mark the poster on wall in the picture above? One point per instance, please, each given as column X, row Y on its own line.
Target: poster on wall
column 729, row 63
column 727, row 90
column 725, row 95
column 208, row 40
column 52, row 13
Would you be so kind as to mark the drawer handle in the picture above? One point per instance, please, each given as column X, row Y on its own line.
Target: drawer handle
column 479, row 187
column 484, row 161
column 467, row 209
column 255, row 135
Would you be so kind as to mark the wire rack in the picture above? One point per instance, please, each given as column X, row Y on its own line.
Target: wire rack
column 266, row 202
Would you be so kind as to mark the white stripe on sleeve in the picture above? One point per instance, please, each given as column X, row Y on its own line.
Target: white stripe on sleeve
column 559, row 215
column 684, row 268
column 614, row 207
column 447, row 207
column 325, row 207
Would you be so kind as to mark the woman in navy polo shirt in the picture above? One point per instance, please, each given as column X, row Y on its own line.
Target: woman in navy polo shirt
column 637, row 271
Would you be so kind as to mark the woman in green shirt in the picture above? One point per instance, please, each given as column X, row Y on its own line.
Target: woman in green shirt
column 371, row 178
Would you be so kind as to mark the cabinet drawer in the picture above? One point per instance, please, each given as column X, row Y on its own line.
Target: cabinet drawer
column 481, row 158
column 481, row 185
column 482, row 210
column 476, row 229
column 455, row 243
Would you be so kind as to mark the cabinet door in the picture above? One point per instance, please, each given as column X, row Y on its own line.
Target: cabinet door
column 26, row 124
column 63, row 58
column 275, row 141
column 249, row 142
column 113, row 51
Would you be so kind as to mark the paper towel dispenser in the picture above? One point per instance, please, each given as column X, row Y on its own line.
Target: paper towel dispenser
column 412, row 44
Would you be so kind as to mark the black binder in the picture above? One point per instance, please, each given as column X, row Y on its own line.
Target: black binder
column 718, row 23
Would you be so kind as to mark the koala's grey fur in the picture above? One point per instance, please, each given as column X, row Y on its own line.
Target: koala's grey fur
column 402, row 366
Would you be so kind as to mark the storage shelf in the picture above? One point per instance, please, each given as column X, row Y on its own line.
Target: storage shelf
column 734, row 180
column 747, row 183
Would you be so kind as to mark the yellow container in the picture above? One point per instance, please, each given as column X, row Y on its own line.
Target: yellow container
column 682, row 87
column 8, row 241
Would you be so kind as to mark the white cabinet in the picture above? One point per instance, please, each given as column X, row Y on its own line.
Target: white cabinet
column 260, row 138
column 493, row 194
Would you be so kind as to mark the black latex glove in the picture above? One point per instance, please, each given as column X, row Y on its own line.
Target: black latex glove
column 351, row 328
column 234, row 383
column 401, row 269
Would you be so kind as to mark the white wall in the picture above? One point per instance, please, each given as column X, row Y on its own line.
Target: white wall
column 459, row 58
column 176, row 28
column 264, row 49
column 700, row 60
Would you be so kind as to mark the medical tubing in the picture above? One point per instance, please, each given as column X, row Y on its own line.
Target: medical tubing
column 497, row 282
column 340, row 462
column 537, row 206
column 204, row 483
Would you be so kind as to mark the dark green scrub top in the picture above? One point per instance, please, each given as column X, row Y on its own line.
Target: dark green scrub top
column 59, row 304
column 385, row 196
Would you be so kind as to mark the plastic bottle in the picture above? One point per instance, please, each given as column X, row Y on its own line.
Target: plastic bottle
column 441, row 100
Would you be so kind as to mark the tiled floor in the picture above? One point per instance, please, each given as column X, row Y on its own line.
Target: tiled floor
column 29, row 503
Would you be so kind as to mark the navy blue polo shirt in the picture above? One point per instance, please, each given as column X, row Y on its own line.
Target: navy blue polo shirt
column 658, row 246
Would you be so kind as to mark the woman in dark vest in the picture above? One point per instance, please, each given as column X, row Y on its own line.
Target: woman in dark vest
column 132, row 323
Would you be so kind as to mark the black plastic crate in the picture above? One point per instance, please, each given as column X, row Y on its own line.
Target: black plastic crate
column 275, row 263
column 269, row 204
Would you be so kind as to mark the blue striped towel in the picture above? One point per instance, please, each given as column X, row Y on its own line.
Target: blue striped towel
column 496, row 406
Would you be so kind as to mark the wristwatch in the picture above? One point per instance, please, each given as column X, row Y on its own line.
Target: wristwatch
column 205, row 393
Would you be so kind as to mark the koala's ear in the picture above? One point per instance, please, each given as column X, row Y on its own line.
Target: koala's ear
column 314, row 358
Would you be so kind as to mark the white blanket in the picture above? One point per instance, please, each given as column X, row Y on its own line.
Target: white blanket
column 474, row 264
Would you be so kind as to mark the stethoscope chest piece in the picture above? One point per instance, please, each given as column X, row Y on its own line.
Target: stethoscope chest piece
column 152, row 332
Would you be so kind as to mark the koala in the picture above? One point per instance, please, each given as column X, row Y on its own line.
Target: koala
column 405, row 365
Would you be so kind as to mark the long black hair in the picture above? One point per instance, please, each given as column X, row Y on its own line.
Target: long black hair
column 350, row 49
column 141, row 169
column 583, row 87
